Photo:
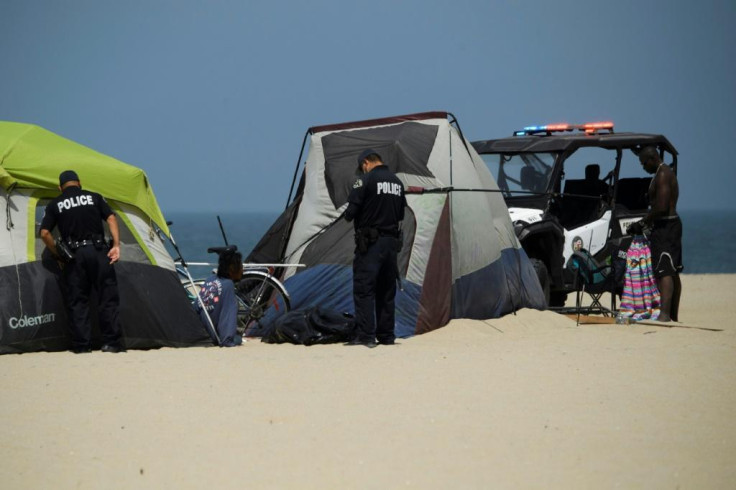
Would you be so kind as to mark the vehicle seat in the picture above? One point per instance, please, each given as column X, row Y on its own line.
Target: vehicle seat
column 593, row 185
column 529, row 179
column 577, row 208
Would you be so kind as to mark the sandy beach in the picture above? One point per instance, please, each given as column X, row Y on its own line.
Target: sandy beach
column 527, row 401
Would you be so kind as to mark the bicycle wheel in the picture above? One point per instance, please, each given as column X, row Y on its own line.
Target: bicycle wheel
column 261, row 299
column 192, row 291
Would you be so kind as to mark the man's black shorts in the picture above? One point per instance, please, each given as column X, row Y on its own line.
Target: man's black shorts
column 666, row 245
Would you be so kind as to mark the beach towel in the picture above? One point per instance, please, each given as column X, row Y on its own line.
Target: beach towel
column 640, row 298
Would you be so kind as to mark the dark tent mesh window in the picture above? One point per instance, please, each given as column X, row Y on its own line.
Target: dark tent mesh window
column 405, row 148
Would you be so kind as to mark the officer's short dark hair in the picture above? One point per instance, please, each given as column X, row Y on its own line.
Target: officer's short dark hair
column 227, row 260
column 369, row 154
column 374, row 157
column 68, row 176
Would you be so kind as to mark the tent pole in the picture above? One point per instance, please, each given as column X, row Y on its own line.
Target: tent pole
column 213, row 331
column 457, row 125
column 296, row 170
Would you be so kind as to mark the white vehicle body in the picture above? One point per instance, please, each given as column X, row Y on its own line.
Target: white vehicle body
column 591, row 236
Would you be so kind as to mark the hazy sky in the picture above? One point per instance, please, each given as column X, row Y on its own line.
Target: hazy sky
column 212, row 98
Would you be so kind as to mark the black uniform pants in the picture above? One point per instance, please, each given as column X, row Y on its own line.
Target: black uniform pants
column 374, row 289
column 91, row 269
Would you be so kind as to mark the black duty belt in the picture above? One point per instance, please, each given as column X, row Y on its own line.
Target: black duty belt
column 75, row 244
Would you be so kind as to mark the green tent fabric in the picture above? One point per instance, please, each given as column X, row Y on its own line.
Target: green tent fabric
column 32, row 157
column 154, row 308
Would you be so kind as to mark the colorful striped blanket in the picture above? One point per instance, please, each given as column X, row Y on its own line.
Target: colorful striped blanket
column 640, row 298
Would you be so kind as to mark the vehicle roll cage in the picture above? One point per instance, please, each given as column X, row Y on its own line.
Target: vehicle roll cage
column 564, row 145
column 569, row 143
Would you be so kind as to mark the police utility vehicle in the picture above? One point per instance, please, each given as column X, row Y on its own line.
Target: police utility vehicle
column 570, row 187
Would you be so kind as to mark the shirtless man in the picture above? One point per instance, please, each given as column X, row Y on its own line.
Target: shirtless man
column 666, row 235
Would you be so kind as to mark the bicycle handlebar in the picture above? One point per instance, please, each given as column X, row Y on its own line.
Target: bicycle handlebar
column 249, row 265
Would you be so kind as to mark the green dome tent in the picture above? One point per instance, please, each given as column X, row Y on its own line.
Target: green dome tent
column 154, row 308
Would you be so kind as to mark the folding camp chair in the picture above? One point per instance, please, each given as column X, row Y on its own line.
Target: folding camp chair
column 594, row 279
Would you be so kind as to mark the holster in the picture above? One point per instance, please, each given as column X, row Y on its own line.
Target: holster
column 100, row 243
column 63, row 251
column 364, row 238
column 400, row 241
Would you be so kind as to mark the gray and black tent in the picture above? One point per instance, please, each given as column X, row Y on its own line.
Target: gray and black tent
column 460, row 257
column 154, row 310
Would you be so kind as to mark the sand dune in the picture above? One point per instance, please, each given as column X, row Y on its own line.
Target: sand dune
column 527, row 401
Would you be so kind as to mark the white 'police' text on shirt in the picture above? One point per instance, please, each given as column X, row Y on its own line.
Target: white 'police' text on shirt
column 76, row 201
column 388, row 188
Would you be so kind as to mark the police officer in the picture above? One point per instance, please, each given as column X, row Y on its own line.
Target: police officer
column 79, row 215
column 376, row 204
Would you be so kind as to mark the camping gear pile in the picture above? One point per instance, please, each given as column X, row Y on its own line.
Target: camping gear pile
column 154, row 308
column 460, row 257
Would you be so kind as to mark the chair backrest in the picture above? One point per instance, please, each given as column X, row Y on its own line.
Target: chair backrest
column 588, row 269
column 618, row 248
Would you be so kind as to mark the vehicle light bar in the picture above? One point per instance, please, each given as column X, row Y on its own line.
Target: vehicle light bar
column 588, row 128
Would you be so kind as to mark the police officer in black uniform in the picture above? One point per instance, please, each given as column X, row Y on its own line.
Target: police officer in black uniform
column 376, row 204
column 79, row 215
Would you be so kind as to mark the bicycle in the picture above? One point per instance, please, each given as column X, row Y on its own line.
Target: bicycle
column 261, row 296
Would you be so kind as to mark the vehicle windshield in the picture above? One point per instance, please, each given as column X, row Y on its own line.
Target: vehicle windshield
column 521, row 174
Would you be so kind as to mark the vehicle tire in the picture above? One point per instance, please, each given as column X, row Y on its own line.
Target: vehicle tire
column 557, row 299
column 543, row 275
column 261, row 298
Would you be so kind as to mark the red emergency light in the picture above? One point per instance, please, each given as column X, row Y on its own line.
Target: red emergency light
column 594, row 127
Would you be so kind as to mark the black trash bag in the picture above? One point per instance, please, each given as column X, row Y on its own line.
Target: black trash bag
column 311, row 326
column 330, row 326
column 290, row 328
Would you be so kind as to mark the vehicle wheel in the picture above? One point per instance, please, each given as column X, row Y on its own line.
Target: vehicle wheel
column 543, row 276
column 557, row 299
column 260, row 300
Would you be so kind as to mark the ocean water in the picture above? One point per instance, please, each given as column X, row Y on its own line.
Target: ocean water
column 709, row 237
column 195, row 232
column 709, row 241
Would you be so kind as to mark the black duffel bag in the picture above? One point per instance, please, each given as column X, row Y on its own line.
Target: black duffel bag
column 311, row 326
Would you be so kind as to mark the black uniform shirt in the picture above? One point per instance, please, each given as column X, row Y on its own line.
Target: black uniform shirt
column 78, row 213
column 377, row 201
